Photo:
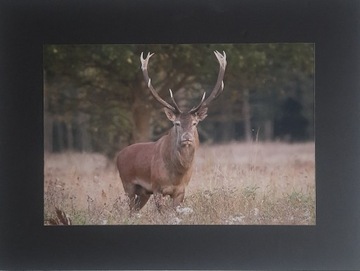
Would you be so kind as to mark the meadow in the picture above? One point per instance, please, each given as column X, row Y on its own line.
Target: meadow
column 232, row 184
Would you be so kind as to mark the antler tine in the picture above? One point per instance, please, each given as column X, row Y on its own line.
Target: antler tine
column 173, row 100
column 144, row 65
column 194, row 109
column 219, row 86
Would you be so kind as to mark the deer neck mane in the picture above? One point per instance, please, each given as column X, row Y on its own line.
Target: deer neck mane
column 177, row 158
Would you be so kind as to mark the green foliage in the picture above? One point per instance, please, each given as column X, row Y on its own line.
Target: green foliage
column 105, row 83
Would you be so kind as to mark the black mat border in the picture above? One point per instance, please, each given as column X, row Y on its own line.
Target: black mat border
column 334, row 243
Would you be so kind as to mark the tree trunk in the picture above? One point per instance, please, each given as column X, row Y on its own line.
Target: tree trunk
column 141, row 112
column 59, row 136
column 69, row 135
column 48, row 133
column 85, row 136
column 48, row 120
column 81, row 139
column 247, row 116
column 268, row 130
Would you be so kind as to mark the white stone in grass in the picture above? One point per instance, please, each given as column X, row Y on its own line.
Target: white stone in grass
column 176, row 221
column 235, row 219
column 184, row 210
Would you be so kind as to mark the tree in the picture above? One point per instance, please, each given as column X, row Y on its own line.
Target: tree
column 104, row 82
column 96, row 98
column 261, row 76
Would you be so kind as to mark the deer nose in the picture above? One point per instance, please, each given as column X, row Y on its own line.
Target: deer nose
column 187, row 137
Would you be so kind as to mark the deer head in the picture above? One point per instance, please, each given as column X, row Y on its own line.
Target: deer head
column 185, row 122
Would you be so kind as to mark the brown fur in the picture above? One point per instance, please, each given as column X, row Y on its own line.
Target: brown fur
column 163, row 167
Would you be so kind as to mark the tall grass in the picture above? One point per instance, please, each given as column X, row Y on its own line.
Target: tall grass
column 235, row 183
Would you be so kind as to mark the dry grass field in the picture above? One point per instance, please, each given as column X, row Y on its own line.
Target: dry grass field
column 232, row 184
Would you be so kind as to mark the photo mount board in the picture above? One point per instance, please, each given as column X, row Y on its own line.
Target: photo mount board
column 332, row 244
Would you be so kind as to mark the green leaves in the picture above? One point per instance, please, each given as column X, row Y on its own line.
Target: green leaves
column 94, row 79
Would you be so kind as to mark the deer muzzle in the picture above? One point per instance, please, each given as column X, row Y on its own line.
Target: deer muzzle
column 187, row 139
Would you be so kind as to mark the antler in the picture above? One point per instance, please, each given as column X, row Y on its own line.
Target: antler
column 144, row 64
column 219, row 86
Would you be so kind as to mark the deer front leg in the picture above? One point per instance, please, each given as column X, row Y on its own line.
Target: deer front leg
column 159, row 201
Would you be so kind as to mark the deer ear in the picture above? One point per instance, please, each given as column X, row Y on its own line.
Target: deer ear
column 170, row 114
column 201, row 114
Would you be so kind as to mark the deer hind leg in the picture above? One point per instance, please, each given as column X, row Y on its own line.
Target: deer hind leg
column 142, row 197
column 138, row 196
column 130, row 190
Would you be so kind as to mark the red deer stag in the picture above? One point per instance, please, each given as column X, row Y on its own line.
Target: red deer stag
column 164, row 167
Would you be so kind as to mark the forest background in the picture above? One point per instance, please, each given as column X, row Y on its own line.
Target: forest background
column 96, row 100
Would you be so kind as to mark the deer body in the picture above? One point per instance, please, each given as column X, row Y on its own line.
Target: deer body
column 165, row 167
column 155, row 168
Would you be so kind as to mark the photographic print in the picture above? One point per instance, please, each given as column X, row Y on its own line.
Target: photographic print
column 229, row 132
column 105, row 168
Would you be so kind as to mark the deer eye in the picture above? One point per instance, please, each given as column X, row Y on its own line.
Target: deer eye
column 194, row 123
column 177, row 123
